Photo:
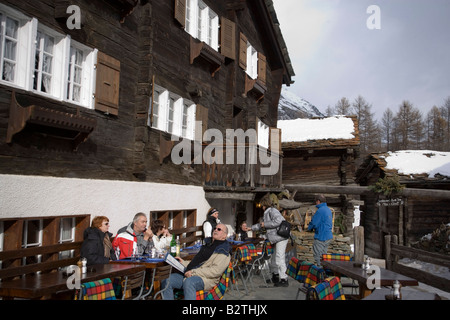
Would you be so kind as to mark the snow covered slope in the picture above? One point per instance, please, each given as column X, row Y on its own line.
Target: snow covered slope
column 292, row 106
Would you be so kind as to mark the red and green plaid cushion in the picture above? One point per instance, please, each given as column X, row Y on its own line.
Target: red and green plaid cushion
column 303, row 271
column 218, row 291
column 292, row 267
column 315, row 275
column 245, row 253
column 298, row 269
column 269, row 248
column 329, row 289
column 336, row 257
column 98, row 290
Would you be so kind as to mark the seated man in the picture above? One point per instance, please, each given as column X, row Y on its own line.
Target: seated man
column 205, row 270
column 133, row 239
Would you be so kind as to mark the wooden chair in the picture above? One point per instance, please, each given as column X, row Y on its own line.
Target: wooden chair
column 219, row 290
column 159, row 274
column 241, row 260
column 97, row 290
column 133, row 286
column 260, row 262
column 298, row 270
column 329, row 289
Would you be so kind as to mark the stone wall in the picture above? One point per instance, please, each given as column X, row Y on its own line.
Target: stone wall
column 304, row 242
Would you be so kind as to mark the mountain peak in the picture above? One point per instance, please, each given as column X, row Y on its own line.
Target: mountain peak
column 292, row 107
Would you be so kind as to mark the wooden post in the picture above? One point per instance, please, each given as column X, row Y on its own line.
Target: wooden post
column 400, row 224
column 358, row 233
column 387, row 246
column 394, row 241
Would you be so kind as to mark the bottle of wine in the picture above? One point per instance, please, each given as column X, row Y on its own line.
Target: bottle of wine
column 173, row 246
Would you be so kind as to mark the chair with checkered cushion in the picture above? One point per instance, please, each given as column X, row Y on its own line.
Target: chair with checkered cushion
column 329, row 289
column 97, row 290
column 314, row 276
column 299, row 271
column 241, row 260
column 219, row 290
column 260, row 263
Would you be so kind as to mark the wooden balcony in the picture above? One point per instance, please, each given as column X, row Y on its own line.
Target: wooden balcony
column 243, row 175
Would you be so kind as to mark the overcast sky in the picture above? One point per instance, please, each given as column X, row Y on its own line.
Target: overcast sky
column 335, row 54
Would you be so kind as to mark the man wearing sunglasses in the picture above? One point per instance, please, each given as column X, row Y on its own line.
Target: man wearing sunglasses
column 204, row 271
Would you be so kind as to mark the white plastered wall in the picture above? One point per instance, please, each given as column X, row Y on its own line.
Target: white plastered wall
column 38, row 196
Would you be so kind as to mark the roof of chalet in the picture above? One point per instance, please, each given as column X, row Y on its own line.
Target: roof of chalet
column 409, row 165
column 335, row 132
column 279, row 36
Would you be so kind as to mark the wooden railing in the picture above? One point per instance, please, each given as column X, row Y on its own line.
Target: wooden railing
column 188, row 235
column 394, row 252
column 12, row 260
column 243, row 174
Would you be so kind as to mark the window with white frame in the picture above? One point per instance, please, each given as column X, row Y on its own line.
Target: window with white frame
column 58, row 67
column 172, row 113
column 252, row 61
column 9, row 43
column 67, row 234
column 202, row 23
column 263, row 134
column 32, row 237
column 15, row 31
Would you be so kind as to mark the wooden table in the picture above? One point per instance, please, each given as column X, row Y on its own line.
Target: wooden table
column 407, row 294
column 43, row 286
column 348, row 269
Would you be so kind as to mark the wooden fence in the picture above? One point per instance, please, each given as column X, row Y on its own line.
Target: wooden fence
column 394, row 252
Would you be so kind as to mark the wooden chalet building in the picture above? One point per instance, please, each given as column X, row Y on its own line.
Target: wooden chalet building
column 321, row 151
column 95, row 95
column 410, row 216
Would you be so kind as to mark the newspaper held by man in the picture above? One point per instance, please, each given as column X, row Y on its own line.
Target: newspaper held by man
column 174, row 262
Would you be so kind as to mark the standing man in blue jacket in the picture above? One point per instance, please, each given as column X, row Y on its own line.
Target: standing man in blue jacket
column 321, row 223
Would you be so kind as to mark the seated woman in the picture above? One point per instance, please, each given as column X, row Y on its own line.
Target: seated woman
column 97, row 247
column 161, row 235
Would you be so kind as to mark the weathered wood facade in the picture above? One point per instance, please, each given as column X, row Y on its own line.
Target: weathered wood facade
column 416, row 216
column 132, row 49
column 328, row 162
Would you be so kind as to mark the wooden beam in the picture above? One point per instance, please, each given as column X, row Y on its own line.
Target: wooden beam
column 359, row 190
column 230, row 196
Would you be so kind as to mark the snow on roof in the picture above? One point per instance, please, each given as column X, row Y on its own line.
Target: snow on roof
column 298, row 130
column 419, row 162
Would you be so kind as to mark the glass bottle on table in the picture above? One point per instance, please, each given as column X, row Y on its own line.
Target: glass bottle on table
column 173, row 246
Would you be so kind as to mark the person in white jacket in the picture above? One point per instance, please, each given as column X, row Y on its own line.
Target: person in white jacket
column 161, row 236
column 271, row 221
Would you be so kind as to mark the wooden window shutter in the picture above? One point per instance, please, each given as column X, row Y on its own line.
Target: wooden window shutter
column 228, row 38
column 180, row 12
column 262, row 68
column 201, row 114
column 276, row 147
column 107, row 84
column 243, row 51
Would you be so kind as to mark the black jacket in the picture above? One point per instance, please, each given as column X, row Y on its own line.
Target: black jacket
column 93, row 248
